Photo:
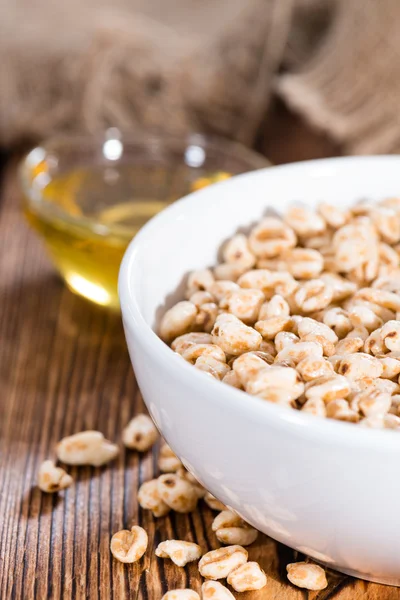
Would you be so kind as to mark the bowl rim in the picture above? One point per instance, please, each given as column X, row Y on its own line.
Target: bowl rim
column 315, row 428
column 150, row 141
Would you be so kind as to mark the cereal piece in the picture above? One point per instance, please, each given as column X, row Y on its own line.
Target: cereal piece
column 206, row 350
column 220, row 288
column 168, row 462
column 179, row 552
column 304, row 263
column 213, row 502
column 314, row 406
column 244, row 304
column 309, row 326
column 229, row 271
column 233, row 336
column 359, row 365
column 339, row 409
column 269, row 282
column 335, row 217
column 232, row 379
column 248, row 365
column 382, row 298
column 276, row 384
column 231, row 529
column 391, row 422
column 373, row 402
column 183, row 594
column 140, row 434
column 306, row 575
column 341, row 288
column 390, row 334
column 269, row 328
column 338, row 321
column 51, row 478
column 206, row 316
column 129, row 546
column 200, row 298
column 314, row 367
column 177, row 320
column 247, row 577
column 270, row 237
column 86, row 448
column 184, row 474
column 295, row 353
column 374, row 343
column 214, row 590
column 365, row 316
column 183, row 342
column 149, row 499
column 199, row 281
column 236, row 251
column 305, row 221
column 387, row 223
column 328, row 388
column 212, row 366
column 354, row 244
column 276, row 307
column 349, row 346
column 313, row 295
column 217, row 564
column 284, row 339
column 391, row 367
column 179, row 494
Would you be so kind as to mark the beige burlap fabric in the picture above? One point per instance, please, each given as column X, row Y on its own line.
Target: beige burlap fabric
column 209, row 65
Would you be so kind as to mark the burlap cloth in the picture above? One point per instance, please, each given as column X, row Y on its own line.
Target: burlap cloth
column 209, row 65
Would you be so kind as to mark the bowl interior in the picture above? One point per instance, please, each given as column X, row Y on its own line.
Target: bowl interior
column 189, row 234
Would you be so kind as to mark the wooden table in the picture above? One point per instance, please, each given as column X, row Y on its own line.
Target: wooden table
column 64, row 368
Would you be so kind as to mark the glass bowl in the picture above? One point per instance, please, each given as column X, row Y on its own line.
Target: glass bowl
column 87, row 196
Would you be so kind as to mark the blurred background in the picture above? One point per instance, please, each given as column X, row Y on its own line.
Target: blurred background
column 228, row 67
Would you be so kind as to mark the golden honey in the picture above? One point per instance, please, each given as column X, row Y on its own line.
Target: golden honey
column 87, row 217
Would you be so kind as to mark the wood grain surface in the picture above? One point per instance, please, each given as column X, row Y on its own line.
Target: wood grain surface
column 64, row 368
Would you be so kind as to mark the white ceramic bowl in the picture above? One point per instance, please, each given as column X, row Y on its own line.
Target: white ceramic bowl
column 328, row 489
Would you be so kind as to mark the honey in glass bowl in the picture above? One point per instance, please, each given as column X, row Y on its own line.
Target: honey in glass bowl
column 88, row 196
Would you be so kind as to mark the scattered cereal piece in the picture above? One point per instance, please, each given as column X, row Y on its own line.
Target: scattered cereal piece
column 179, row 494
column 247, row 577
column 179, row 552
column 51, row 478
column 217, row 564
column 306, row 575
column 168, row 462
column 214, row 590
column 140, row 433
column 86, row 448
column 213, row 502
column 129, row 546
column 149, row 498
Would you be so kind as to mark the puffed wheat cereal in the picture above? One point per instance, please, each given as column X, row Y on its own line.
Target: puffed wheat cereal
column 179, row 552
column 247, row 578
column 306, row 575
column 149, row 498
column 129, row 546
column 140, row 433
column 213, row 502
column 52, row 479
column 217, row 564
column 86, row 448
column 179, row 494
column 168, row 462
column 214, row 590
column 304, row 312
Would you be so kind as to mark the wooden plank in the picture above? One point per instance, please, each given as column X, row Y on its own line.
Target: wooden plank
column 63, row 368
